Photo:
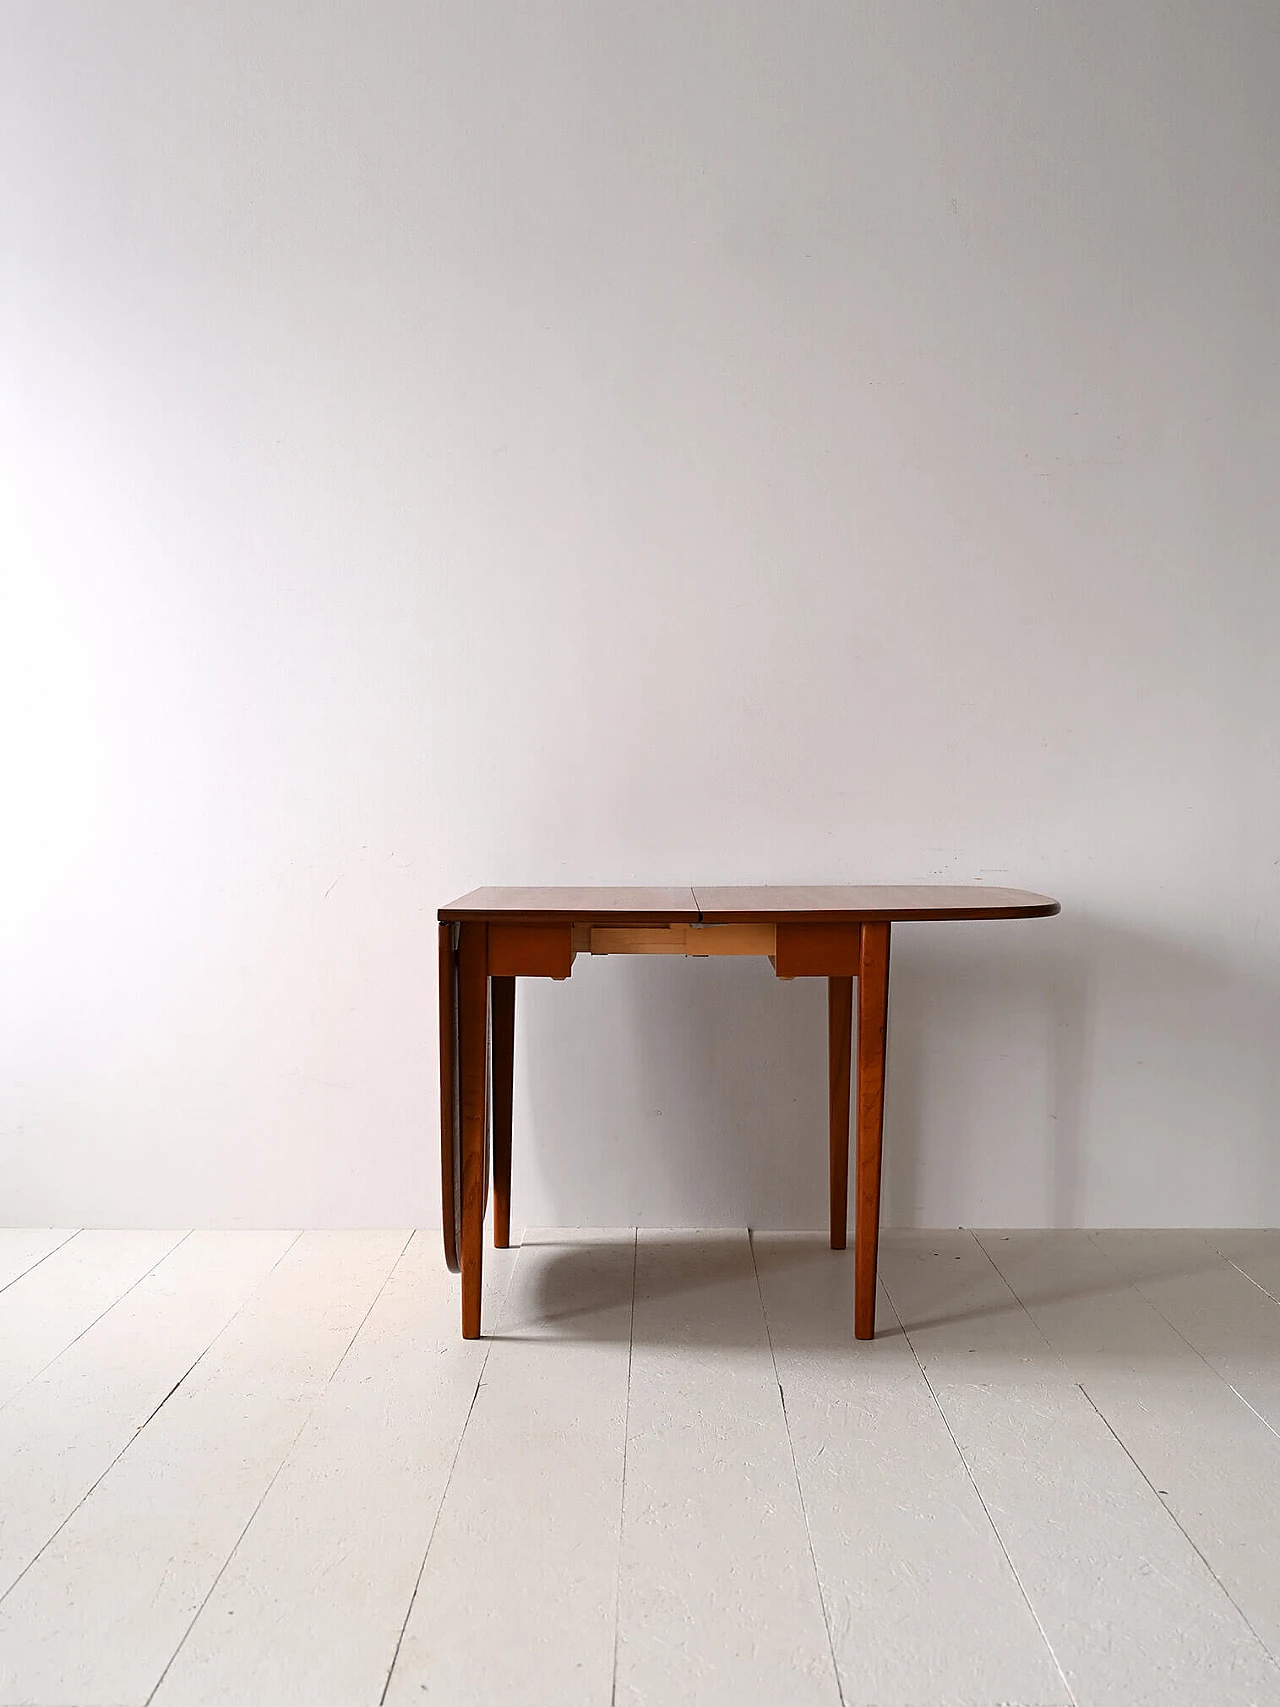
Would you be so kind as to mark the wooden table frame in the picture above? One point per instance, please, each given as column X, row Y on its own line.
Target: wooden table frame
column 491, row 937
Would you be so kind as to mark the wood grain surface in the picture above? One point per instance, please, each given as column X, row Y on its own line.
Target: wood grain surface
column 840, row 903
column 857, row 903
column 473, row 1072
column 587, row 906
column 873, row 1016
column 839, row 1057
column 502, row 998
column 449, row 1160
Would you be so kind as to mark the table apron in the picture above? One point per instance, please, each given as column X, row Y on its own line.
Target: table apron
column 796, row 950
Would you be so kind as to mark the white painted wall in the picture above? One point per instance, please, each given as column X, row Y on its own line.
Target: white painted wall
column 462, row 443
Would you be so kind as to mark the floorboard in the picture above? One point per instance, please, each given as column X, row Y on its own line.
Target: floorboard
column 57, row 1299
column 1164, row 1403
column 21, row 1248
column 65, row 1429
column 1230, row 1320
column 1255, row 1252
column 310, row 1608
column 1134, row 1616
column 252, row 1468
column 99, row 1615
column 517, row 1598
column 891, row 1507
column 719, row 1597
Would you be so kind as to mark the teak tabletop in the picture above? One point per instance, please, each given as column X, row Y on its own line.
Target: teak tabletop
column 491, row 937
column 839, row 903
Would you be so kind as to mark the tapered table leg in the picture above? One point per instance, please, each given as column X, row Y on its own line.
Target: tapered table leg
column 448, row 1096
column 873, row 1013
column 839, row 1042
column 473, row 1023
column 502, row 996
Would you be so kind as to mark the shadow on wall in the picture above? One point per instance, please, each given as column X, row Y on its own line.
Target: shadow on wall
column 661, row 1091
column 1060, row 1073
column 1084, row 1074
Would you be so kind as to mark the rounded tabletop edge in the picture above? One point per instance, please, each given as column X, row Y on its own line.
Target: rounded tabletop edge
column 837, row 904
column 868, row 903
column 1044, row 909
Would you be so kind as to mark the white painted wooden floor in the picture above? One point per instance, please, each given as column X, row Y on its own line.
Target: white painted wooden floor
column 262, row 1468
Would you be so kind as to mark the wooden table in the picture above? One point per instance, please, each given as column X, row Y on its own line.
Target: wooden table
column 491, row 937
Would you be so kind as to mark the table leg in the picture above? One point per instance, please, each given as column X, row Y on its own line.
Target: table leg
column 503, row 999
column 873, row 1013
column 473, row 1042
column 449, row 1096
column 839, row 1042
